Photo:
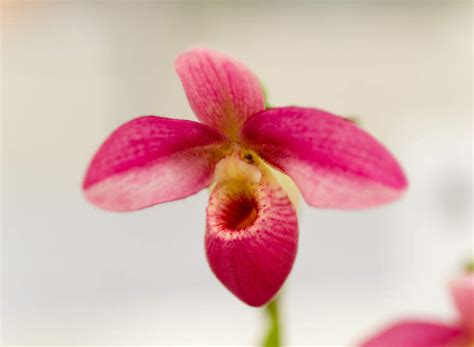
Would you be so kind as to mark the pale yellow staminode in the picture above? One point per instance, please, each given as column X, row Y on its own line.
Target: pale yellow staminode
column 233, row 168
column 288, row 185
column 245, row 166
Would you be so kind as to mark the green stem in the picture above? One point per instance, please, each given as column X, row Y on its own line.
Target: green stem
column 273, row 336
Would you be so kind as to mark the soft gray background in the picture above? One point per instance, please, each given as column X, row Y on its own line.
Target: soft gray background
column 72, row 71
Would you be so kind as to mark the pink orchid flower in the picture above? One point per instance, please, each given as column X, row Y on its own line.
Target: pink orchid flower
column 252, row 226
column 415, row 333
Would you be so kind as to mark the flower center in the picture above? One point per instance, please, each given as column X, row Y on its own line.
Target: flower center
column 239, row 212
column 238, row 167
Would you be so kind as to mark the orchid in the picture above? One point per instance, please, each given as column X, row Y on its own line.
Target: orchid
column 421, row 333
column 243, row 152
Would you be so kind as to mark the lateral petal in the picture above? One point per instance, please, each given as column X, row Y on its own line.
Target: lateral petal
column 222, row 92
column 150, row 160
column 251, row 238
column 417, row 334
column 462, row 289
column 333, row 162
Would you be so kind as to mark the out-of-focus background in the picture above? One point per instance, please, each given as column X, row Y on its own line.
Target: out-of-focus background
column 73, row 71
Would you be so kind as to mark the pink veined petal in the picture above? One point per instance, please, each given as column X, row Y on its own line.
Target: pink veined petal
column 417, row 334
column 222, row 92
column 251, row 238
column 150, row 160
column 462, row 289
column 333, row 162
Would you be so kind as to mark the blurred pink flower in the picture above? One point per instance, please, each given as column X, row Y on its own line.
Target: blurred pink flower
column 413, row 333
column 252, row 228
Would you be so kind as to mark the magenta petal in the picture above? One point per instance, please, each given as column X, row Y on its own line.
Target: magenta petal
column 251, row 239
column 222, row 92
column 417, row 334
column 151, row 160
column 462, row 289
column 333, row 162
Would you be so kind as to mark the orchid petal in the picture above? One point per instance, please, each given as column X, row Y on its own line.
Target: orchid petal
column 222, row 92
column 417, row 334
column 333, row 162
column 150, row 160
column 462, row 289
column 251, row 238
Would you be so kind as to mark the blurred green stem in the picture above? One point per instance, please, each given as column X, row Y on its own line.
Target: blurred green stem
column 273, row 336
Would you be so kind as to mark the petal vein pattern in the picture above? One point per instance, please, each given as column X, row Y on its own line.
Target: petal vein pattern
column 222, row 92
column 333, row 162
column 251, row 238
column 150, row 160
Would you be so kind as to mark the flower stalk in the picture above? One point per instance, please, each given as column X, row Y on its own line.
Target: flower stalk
column 273, row 335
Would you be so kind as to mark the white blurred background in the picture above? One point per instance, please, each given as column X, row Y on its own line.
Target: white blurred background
column 73, row 71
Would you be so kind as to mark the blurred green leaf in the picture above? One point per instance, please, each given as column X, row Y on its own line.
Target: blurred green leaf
column 265, row 95
column 469, row 266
